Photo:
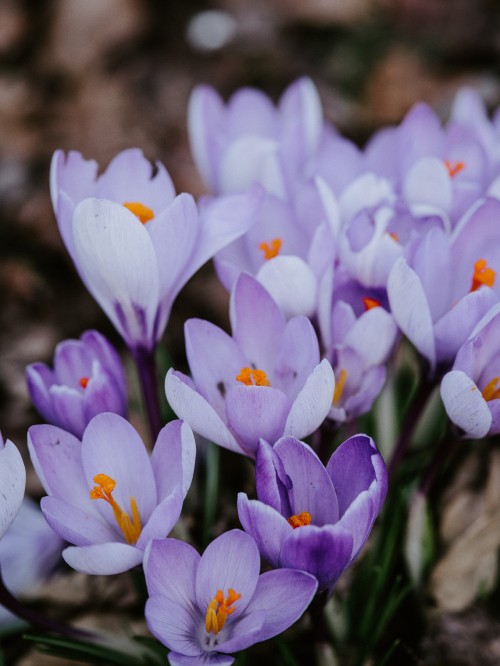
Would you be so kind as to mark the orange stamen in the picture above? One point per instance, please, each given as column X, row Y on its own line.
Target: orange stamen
column 253, row 377
column 454, row 167
column 300, row 520
column 84, row 381
column 271, row 249
column 131, row 527
column 394, row 236
column 218, row 610
column 339, row 387
column 482, row 275
column 491, row 391
column 371, row 303
column 140, row 210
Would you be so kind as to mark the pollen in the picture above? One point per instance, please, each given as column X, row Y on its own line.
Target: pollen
column 144, row 213
column 454, row 168
column 130, row 527
column 84, row 381
column 271, row 249
column 394, row 236
column 371, row 303
column 218, row 610
column 339, row 387
column 483, row 275
column 253, row 377
column 300, row 520
column 491, row 391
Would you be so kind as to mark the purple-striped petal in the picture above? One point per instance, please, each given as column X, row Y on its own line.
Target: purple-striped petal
column 265, row 525
column 177, row 580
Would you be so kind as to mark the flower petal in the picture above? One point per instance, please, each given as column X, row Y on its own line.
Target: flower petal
column 75, row 525
column 170, row 567
column 162, row 520
column 265, row 525
column 12, row 484
column 312, row 403
column 291, row 283
column 103, row 559
column 465, row 405
column 173, row 458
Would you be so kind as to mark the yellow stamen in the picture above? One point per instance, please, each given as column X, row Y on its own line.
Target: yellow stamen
column 299, row 520
column 84, row 381
column 483, row 275
column 253, row 377
column 131, row 527
column 371, row 303
column 144, row 213
column 218, row 610
column 454, row 167
column 339, row 387
column 490, row 391
column 271, row 249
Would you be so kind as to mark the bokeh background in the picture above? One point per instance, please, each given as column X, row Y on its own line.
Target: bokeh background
column 99, row 76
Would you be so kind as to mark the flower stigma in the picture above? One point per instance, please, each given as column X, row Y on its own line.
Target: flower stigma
column 271, row 249
column 218, row 610
column 253, row 377
column 483, row 275
column 144, row 213
column 491, row 391
column 84, row 381
column 131, row 527
column 300, row 519
column 371, row 303
column 339, row 387
column 454, row 168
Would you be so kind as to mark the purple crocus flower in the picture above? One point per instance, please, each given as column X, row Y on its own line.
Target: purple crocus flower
column 471, row 390
column 87, row 379
column 12, row 483
column 29, row 552
column 105, row 494
column 137, row 244
column 264, row 382
column 311, row 518
column 448, row 284
column 206, row 607
column 250, row 140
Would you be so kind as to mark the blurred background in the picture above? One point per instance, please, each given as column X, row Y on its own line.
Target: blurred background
column 99, row 76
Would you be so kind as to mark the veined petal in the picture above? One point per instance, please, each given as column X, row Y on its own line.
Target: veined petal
column 291, row 283
column 177, row 580
column 205, row 659
column 174, row 626
column 103, row 559
column 312, row 403
column 116, row 259
column 163, row 518
column 265, row 525
column 77, row 526
column 173, row 458
column 246, row 631
column 12, row 484
column 465, row 405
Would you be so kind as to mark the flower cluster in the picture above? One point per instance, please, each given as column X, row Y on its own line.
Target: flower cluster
column 331, row 255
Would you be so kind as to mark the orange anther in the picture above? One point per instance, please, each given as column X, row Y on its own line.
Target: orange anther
column 371, row 303
column 300, row 520
column 491, row 391
column 394, row 236
column 144, row 213
column 271, row 249
column 454, row 167
column 253, row 377
column 130, row 527
column 483, row 275
column 84, row 381
column 339, row 387
column 218, row 610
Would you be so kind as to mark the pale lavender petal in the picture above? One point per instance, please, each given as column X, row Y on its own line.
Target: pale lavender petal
column 173, row 458
column 204, row 112
column 311, row 488
column 173, row 625
column 245, row 631
column 69, row 409
column 283, row 595
column 255, row 412
column 323, row 552
column 266, row 478
column 72, row 360
column 63, row 168
column 231, row 561
column 265, row 525
column 410, row 308
column 205, row 659
column 108, row 358
column 12, row 484
column 296, row 356
column 428, row 182
column 99, row 396
column 189, row 405
column 162, row 520
column 56, row 457
column 39, row 378
column 79, row 526
column 372, row 336
column 103, row 559
column 302, row 120
column 170, row 567
column 312, row 403
column 465, row 405
column 249, row 160
column 116, row 258
column 291, row 283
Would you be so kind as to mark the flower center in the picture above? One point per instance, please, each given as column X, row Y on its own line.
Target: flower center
column 490, row 391
column 299, row 520
column 140, row 210
column 482, row 275
column 339, row 387
column 253, row 377
column 131, row 527
column 271, row 249
column 84, row 381
column 371, row 303
column 218, row 610
column 454, row 167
